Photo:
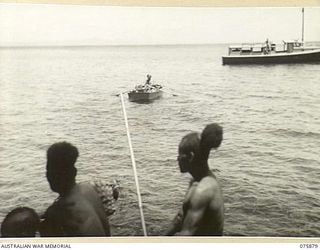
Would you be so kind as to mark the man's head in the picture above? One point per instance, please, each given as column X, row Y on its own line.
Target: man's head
column 20, row 222
column 188, row 150
column 61, row 171
column 195, row 147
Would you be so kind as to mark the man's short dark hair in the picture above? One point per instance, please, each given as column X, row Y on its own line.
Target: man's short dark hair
column 62, row 154
column 26, row 226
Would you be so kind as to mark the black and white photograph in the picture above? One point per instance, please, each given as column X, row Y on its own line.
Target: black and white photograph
column 135, row 121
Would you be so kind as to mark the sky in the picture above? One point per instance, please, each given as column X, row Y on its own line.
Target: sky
column 40, row 24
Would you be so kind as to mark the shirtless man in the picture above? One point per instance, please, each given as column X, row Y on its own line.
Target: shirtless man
column 78, row 211
column 202, row 213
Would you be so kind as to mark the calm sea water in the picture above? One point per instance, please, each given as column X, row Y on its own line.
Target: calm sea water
column 268, row 163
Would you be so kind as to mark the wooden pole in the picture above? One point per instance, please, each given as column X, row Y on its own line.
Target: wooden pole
column 133, row 166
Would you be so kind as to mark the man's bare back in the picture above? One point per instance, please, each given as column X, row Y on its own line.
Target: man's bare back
column 80, row 213
column 203, row 209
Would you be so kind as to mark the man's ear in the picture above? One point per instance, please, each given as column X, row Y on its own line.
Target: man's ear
column 74, row 172
column 191, row 156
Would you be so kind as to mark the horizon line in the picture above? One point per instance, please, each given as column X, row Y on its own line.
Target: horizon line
column 105, row 45
column 123, row 45
column 174, row 3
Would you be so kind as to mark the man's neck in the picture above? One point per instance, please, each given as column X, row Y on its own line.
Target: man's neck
column 67, row 191
column 201, row 170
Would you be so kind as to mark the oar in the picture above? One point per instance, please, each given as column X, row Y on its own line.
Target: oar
column 125, row 92
column 169, row 93
column 133, row 166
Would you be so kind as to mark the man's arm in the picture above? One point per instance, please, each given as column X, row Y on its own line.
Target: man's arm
column 176, row 224
column 199, row 202
column 50, row 225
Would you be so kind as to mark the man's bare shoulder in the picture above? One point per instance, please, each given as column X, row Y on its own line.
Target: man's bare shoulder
column 81, row 193
column 206, row 189
column 76, row 201
column 208, row 184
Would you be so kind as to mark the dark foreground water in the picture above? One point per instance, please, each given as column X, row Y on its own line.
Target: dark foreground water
column 268, row 164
